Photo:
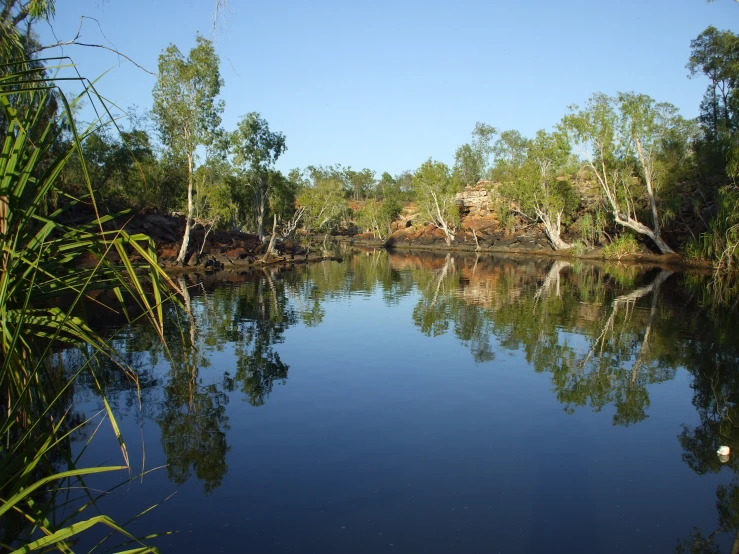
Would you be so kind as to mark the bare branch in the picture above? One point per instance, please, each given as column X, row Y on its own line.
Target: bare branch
column 75, row 42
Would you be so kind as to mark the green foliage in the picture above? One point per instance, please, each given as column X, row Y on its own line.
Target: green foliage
column 721, row 243
column 435, row 196
column 578, row 248
column 359, row 183
column 186, row 111
column 632, row 146
column 40, row 264
column 323, row 199
column 17, row 40
column 185, row 107
column 471, row 160
column 256, row 149
column 377, row 216
column 624, row 245
column 533, row 177
column 592, row 227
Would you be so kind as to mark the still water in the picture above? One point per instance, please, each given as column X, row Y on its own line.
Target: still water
column 418, row 403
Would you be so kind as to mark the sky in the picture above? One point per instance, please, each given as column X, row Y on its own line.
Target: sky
column 389, row 84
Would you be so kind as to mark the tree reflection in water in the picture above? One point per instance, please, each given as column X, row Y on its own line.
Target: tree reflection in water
column 604, row 334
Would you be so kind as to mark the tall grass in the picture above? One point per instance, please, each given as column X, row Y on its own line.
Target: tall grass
column 721, row 243
column 41, row 257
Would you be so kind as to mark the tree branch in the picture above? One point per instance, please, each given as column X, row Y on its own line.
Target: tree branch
column 75, row 42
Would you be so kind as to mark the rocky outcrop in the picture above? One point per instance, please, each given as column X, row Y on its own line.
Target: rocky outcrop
column 476, row 200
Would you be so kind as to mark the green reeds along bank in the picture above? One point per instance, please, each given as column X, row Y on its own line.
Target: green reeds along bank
column 40, row 254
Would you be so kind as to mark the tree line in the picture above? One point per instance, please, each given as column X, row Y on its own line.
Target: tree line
column 616, row 169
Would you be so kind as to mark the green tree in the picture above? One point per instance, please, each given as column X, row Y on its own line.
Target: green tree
column 715, row 54
column 435, row 195
column 256, row 149
column 186, row 110
column 322, row 199
column 359, row 182
column 471, row 159
column 620, row 140
column 534, row 176
column 647, row 127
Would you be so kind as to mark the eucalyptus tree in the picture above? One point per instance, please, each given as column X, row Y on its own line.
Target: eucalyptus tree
column 533, row 175
column 647, row 128
column 186, row 109
column 322, row 199
column 435, row 196
column 471, row 159
column 255, row 150
column 377, row 216
column 715, row 54
column 359, row 182
column 620, row 140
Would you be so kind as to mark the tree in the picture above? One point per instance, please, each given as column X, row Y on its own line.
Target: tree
column 186, row 111
column 647, row 126
column 620, row 138
column 377, row 216
column 471, row 160
column 256, row 149
column 537, row 181
column 359, row 182
column 322, row 199
column 17, row 19
column 510, row 151
column 715, row 54
column 435, row 195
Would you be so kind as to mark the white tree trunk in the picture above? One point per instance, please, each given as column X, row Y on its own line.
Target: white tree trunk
column 188, row 221
column 609, row 188
column 441, row 222
column 553, row 229
column 260, row 202
column 271, row 239
column 648, row 172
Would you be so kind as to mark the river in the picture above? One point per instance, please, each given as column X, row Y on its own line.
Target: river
column 416, row 403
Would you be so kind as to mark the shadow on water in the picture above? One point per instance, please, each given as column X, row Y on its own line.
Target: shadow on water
column 604, row 335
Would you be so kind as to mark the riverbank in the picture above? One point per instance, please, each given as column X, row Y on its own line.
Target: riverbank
column 531, row 248
column 214, row 250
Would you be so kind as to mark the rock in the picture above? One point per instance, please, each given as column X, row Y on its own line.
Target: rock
column 475, row 200
column 237, row 254
column 506, row 242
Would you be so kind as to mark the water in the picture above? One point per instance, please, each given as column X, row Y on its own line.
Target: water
column 418, row 403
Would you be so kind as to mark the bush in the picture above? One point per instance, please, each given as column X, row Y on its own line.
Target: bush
column 623, row 246
column 578, row 249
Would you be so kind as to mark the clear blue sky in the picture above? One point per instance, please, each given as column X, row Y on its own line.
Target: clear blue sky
column 388, row 84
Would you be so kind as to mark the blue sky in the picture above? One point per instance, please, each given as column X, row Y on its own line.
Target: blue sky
column 386, row 85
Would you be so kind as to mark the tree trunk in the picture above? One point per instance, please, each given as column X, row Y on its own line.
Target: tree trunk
column 553, row 229
column 441, row 222
column 188, row 221
column 260, row 204
column 656, row 234
column 271, row 239
column 634, row 225
column 625, row 220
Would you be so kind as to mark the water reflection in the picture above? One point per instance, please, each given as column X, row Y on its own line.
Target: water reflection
column 604, row 335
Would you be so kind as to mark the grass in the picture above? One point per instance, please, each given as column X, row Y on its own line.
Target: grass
column 40, row 255
column 624, row 245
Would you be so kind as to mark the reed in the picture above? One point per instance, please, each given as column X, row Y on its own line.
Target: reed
column 41, row 255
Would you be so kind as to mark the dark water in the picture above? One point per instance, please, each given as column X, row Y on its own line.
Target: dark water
column 411, row 403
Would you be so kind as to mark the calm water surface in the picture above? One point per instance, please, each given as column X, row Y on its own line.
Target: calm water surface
column 416, row 403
